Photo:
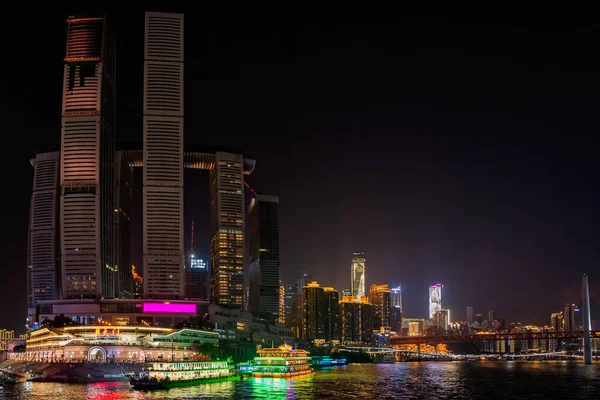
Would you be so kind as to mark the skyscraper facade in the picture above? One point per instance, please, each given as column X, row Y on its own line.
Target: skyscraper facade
column 380, row 297
column 196, row 279
column 163, row 157
column 556, row 321
column 396, row 294
column 227, row 222
column 469, row 315
column 86, row 164
column 332, row 314
column 357, row 321
column 357, row 274
column 314, row 313
column 42, row 246
column 263, row 251
column 569, row 317
column 122, row 220
column 435, row 299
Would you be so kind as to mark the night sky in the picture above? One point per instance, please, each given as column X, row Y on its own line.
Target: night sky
column 450, row 149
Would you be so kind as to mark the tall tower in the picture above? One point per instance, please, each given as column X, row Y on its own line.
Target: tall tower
column 569, row 317
column 263, row 251
column 163, row 157
column 358, row 275
column 227, row 223
column 435, row 299
column 122, row 204
column 86, row 164
column 42, row 251
column 396, row 298
column 380, row 297
column 313, row 312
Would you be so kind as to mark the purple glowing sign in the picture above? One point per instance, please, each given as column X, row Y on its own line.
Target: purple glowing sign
column 169, row 308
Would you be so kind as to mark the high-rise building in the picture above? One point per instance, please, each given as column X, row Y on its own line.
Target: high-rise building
column 357, row 275
column 163, row 157
column 569, row 317
column 397, row 297
column 380, row 297
column 396, row 319
column 435, row 299
column 227, row 223
column 332, row 314
column 122, row 219
column 87, row 161
column 289, row 294
column 196, row 279
column 357, row 321
column 556, row 321
column 42, row 246
column 263, row 251
column 469, row 315
column 491, row 316
column 281, row 303
column 313, row 315
column 441, row 319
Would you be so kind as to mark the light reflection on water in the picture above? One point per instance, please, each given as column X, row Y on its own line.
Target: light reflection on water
column 427, row 380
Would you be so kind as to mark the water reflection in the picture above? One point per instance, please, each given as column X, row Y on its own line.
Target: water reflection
column 439, row 380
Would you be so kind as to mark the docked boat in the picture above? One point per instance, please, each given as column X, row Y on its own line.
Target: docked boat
column 326, row 361
column 281, row 362
column 165, row 375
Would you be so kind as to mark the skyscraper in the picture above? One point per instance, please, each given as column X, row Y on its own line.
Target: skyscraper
column 357, row 275
column 122, row 233
column 227, row 223
column 435, row 299
column 396, row 297
column 196, row 279
column 469, row 315
column 491, row 316
column 556, row 321
column 42, row 246
column 313, row 315
column 332, row 314
column 86, row 164
column 380, row 297
column 569, row 317
column 357, row 321
column 263, row 250
column 163, row 157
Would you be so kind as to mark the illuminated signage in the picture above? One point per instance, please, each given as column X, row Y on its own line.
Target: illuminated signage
column 107, row 331
column 169, row 308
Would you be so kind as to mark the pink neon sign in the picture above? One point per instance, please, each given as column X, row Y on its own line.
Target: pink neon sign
column 170, row 308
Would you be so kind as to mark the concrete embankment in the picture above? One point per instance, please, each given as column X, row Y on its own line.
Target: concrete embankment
column 71, row 372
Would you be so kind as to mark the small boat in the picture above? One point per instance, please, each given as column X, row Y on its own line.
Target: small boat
column 281, row 362
column 166, row 375
column 326, row 361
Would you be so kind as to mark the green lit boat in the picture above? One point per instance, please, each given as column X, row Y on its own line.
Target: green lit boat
column 166, row 375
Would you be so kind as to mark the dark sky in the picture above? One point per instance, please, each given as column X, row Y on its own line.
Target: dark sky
column 450, row 149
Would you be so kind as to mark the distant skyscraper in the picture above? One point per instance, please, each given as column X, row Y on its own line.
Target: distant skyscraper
column 87, row 256
column 196, row 279
column 163, row 157
column 227, row 222
column 332, row 314
column 42, row 247
column 122, row 233
column 357, row 321
column 313, row 315
column 290, row 294
column 441, row 319
column 491, row 316
column 138, row 284
column 469, row 315
column 281, row 303
column 556, row 321
column 263, row 250
column 435, row 299
column 397, row 297
column 569, row 317
column 358, row 275
column 380, row 297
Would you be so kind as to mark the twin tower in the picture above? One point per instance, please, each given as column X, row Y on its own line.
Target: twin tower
column 80, row 218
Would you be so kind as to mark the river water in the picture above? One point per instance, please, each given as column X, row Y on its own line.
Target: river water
column 425, row 380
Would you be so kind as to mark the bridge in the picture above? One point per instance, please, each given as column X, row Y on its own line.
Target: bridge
column 485, row 337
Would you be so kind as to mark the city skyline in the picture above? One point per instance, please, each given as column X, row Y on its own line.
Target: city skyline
column 440, row 239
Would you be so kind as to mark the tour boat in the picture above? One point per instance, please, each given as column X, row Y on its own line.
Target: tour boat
column 165, row 375
column 281, row 362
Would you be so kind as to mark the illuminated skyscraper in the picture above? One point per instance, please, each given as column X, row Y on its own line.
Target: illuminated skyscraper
column 42, row 247
column 357, row 321
column 122, row 203
column 282, row 299
column 313, row 314
column 357, row 276
column 396, row 297
column 263, row 252
column 380, row 297
column 163, row 157
column 569, row 317
column 227, row 222
column 196, row 279
column 332, row 314
column 469, row 315
column 435, row 299
column 87, row 256
column 556, row 321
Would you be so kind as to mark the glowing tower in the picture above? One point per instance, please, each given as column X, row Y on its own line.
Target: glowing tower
column 435, row 299
column 358, row 275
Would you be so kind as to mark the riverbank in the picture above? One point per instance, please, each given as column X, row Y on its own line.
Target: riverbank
column 72, row 372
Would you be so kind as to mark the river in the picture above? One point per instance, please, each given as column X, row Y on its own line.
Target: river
column 424, row 380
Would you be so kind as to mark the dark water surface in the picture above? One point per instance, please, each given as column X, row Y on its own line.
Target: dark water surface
column 426, row 380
